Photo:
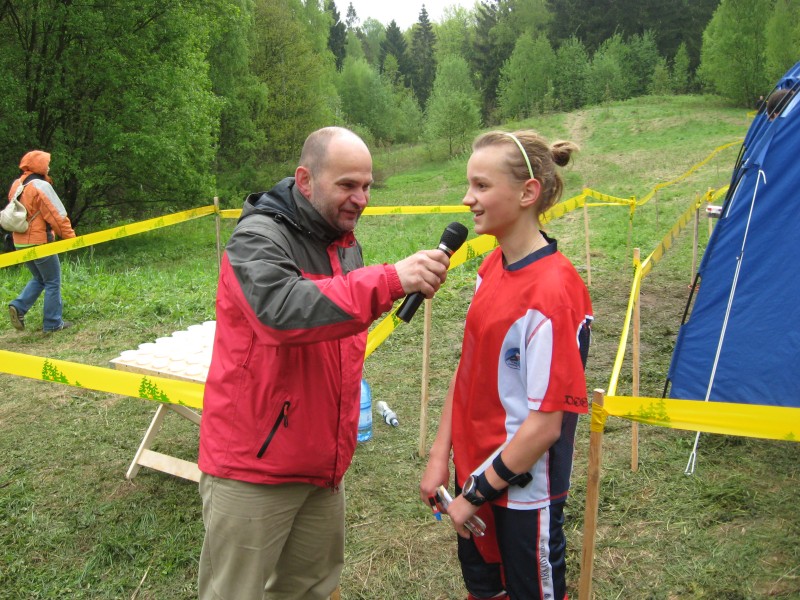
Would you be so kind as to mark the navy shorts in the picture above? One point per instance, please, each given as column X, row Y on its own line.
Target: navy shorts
column 533, row 550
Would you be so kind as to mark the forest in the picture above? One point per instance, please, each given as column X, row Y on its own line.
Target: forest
column 160, row 105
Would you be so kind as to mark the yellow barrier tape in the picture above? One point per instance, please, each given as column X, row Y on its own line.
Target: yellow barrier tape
column 599, row 415
column 667, row 241
column 135, row 385
column 661, row 186
column 608, row 199
column 562, row 208
column 749, row 420
column 713, row 196
column 372, row 211
column 98, row 237
column 623, row 339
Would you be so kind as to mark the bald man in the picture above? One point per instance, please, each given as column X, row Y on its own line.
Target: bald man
column 281, row 404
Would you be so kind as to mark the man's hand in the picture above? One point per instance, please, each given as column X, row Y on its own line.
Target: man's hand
column 423, row 272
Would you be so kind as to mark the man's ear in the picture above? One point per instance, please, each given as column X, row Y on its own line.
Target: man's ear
column 302, row 177
column 530, row 193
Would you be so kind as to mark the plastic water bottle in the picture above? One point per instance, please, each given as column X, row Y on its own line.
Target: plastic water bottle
column 388, row 414
column 365, row 415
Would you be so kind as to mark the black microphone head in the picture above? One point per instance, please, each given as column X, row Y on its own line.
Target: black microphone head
column 453, row 236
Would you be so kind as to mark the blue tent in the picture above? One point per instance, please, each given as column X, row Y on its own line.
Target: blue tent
column 742, row 340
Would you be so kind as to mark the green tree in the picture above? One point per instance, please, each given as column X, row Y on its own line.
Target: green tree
column 337, row 37
column 661, row 81
column 372, row 102
column 282, row 46
column 243, row 96
column 607, row 80
column 594, row 21
column 639, row 61
column 732, row 58
column 453, row 109
column 373, row 33
column 395, row 44
column 782, row 34
column 351, row 19
column 353, row 47
column 516, row 17
column 526, row 78
column 488, row 56
column 120, row 95
column 365, row 98
column 570, row 74
column 423, row 59
column 681, row 77
column 453, row 33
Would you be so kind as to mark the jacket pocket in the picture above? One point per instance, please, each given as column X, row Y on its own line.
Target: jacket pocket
column 283, row 417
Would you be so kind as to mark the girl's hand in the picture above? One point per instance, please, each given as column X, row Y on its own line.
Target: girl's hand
column 460, row 511
column 437, row 473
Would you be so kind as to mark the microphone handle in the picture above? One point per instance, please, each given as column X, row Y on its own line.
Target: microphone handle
column 413, row 301
column 410, row 306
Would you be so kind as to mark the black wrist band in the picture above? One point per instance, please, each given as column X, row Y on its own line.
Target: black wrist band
column 485, row 488
column 507, row 475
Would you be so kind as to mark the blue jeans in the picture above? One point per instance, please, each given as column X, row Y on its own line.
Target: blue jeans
column 46, row 278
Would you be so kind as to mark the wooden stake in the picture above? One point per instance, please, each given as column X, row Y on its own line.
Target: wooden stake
column 635, row 367
column 592, row 502
column 426, row 361
column 586, row 236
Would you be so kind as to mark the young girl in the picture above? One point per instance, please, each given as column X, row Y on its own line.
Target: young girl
column 513, row 403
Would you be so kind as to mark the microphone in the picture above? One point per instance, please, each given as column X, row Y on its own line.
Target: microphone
column 452, row 238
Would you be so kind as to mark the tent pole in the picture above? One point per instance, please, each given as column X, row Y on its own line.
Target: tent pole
column 696, row 228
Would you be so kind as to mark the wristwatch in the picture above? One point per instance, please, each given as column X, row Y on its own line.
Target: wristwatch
column 478, row 484
column 470, row 492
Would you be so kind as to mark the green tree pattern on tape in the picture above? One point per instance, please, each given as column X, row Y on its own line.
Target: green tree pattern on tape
column 655, row 413
column 50, row 373
column 149, row 391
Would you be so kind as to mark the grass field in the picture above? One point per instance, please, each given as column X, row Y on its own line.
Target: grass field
column 72, row 526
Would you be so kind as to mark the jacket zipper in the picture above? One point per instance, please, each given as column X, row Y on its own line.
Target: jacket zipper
column 283, row 417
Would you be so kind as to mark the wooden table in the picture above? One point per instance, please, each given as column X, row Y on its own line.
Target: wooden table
column 184, row 355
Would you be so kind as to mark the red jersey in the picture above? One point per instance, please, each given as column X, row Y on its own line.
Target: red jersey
column 525, row 345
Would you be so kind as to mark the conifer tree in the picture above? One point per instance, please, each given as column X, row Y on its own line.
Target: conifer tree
column 423, row 58
column 395, row 44
column 337, row 38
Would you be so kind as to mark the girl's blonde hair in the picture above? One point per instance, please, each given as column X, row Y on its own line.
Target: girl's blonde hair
column 543, row 159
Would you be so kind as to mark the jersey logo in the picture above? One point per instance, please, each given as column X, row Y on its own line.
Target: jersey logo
column 512, row 358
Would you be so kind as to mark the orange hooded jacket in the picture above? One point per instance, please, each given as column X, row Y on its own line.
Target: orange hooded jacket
column 41, row 200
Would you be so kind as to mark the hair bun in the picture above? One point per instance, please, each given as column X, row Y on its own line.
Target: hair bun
column 562, row 152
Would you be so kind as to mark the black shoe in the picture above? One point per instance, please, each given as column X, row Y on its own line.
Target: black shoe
column 17, row 320
column 64, row 325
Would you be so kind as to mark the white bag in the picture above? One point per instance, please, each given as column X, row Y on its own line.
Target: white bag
column 14, row 217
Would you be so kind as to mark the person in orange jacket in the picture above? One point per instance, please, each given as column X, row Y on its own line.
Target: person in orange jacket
column 47, row 220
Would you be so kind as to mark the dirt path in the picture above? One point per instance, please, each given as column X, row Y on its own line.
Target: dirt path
column 576, row 125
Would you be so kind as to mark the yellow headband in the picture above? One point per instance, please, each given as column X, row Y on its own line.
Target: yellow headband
column 521, row 149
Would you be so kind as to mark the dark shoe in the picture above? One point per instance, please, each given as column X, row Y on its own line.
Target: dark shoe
column 64, row 325
column 17, row 320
